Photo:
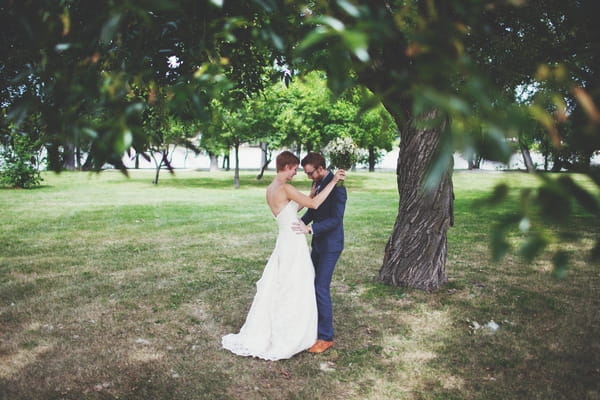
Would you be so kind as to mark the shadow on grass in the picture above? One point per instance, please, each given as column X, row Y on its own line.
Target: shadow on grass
column 38, row 187
column 543, row 348
column 221, row 180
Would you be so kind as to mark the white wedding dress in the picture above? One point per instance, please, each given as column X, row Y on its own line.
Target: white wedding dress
column 282, row 320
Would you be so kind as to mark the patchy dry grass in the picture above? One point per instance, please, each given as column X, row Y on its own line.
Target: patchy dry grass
column 116, row 288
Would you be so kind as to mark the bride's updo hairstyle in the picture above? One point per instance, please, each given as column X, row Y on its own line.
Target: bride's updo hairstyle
column 286, row 158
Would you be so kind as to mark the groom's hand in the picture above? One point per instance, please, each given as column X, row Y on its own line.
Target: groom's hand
column 300, row 227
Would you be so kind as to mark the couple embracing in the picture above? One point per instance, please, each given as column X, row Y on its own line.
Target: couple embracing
column 291, row 311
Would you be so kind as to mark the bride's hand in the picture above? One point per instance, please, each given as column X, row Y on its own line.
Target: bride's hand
column 340, row 175
column 313, row 190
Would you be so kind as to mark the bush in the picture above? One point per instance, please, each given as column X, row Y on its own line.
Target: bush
column 18, row 163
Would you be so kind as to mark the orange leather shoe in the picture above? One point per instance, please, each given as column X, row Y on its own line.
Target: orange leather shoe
column 320, row 346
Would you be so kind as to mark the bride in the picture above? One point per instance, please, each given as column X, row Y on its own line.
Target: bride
column 282, row 320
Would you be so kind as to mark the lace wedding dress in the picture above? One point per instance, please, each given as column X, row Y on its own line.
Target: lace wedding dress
column 282, row 320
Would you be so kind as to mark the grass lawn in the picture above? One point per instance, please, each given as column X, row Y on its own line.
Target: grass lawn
column 111, row 287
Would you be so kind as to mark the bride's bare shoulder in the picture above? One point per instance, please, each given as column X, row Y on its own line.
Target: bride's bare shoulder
column 276, row 195
column 274, row 189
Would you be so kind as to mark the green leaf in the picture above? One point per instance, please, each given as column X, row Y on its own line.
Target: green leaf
column 561, row 264
column 277, row 41
column 500, row 246
column 123, row 141
column 18, row 112
column 349, row 8
column 110, row 29
column 60, row 47
column 498, row 195
column 533, row 246
column 594, row 174
column 595, row 252
column 499, row 243
column 133, row 109
column 331, row 22
column 554, row 204
column 267, row 5
column 584, row 198
column 493, row 145
column 358, row 43
column 317, row 36
column 89, row 132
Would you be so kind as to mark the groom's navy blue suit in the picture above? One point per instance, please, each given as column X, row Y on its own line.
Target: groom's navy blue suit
column 327, row 245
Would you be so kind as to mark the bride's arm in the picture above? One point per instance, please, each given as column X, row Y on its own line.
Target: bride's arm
column 313, row 193
column 313, row 202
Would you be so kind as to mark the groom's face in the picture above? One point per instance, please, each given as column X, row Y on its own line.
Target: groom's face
column 316, row 174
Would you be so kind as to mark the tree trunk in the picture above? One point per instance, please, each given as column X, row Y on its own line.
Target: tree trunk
column 474, row 162
column 159, row 164
column 78, row 157
column 236, row 175
column 264, row 155
column 415, row 255
column 214, row 162
column 262, row 170
column 470, row 164
column 226, row 164
column 371, row 159
column 557, row 163
column 266, row 159
column 527, row 158
column 187, row 152
column 69, row 157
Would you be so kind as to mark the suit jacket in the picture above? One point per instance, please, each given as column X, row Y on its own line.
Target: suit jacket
column 328, row 220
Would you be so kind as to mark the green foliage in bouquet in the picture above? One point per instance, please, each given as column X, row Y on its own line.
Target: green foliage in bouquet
column 342, row 153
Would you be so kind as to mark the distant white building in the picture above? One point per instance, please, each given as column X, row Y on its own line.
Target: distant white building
column 251, row 159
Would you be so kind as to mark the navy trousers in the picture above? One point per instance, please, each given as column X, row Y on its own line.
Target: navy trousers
column 324, row 264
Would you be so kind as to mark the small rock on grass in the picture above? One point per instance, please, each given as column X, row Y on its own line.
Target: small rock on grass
column 327, row 366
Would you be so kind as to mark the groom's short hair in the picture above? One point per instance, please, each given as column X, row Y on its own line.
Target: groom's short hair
column 286, row 158
column 315, row 159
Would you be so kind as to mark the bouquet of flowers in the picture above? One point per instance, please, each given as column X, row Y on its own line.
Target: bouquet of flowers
column 342, row 153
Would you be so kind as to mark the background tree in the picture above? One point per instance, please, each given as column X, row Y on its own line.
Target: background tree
column 544, row 54
column 265, row 109
column 20, row 160
column 67, row 60
column 306, row 115
column 20, row 152
column 374, row 130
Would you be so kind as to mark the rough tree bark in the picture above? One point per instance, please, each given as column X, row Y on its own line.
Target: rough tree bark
column 214, row 162
column 372, row 159
column 416, row 252
column 527, row 158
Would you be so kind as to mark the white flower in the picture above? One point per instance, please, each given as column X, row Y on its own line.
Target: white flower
column 342, row 152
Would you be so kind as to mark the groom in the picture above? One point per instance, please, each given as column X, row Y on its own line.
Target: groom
column 327, row 229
